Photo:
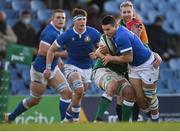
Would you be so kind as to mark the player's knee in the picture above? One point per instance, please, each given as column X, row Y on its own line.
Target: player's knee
column 112, row 88
column 64, row 90
column 76, row 84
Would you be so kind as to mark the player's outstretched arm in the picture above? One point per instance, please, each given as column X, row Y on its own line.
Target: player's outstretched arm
column 124, row 58
column 49, row 59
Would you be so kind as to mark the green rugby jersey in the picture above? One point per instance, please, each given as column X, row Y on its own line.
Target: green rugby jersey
column 121, row 69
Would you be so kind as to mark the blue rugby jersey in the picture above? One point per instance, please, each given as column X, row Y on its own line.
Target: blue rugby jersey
column 126, row 40
column 47, row 36
column 79, row 46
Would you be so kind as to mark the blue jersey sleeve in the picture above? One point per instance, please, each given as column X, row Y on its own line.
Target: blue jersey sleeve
column 48, row 37
column 123, row 44
column 61, row 40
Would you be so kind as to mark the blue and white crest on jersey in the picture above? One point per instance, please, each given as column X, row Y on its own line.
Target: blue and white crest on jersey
column 87, row 39
column 73, row 39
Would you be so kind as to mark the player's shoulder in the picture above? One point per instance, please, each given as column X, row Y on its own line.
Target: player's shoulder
column 68, row 32
column 49, row 30
column 92, row 30
column 88, row 28
column 124, row 31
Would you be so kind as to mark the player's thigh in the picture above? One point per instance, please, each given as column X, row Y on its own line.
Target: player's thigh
column 137, row 85
column 57, row 79
column 72, row 73
column 101, row 77
column 37, row 89
column 38, row 83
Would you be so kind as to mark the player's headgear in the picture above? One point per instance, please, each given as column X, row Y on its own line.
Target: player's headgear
column 78, row 14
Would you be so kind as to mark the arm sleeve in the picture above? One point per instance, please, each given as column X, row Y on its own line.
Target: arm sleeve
column 61, row 40
column 97, row 36
column 47, row 38
column 123, row 44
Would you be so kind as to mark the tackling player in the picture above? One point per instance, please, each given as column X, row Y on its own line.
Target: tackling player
column 142, row 73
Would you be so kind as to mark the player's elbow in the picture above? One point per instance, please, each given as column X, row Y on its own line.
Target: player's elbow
column 130, row 58
column 52, row 49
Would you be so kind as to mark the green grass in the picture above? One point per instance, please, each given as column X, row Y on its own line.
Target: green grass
column 164, row 126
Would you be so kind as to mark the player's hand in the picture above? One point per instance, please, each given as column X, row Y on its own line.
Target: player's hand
column 106, row 59
column 156, row 63
column 92, row 55
column 103, row 49
column 61, row 64
column 47, row 73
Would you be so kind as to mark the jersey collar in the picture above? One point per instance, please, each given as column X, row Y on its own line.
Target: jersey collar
column 79, row 33
column 59, row 30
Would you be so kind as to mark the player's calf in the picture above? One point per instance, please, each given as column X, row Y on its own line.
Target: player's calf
column 151, row 96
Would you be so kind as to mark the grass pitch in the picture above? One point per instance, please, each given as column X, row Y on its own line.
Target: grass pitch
column 146, row 126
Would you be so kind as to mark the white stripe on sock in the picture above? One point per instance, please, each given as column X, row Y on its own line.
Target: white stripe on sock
column 107, row 96
column 128, row 103
column 24, row 103
column 65, row 100
column 154, row 117
column 74, row 109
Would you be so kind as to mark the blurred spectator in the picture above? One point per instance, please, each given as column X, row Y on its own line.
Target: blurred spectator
column 7, row 35
column 158, row 39
column 94, row 17
column 25, row 32
column 100, row 3
column 70, row 4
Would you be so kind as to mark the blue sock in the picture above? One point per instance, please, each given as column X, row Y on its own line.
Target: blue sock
column 75, row 112
column 68, row 116
column 63, row 105
column 18, row 110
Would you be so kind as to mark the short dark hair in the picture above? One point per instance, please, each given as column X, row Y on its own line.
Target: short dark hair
column 108, row 19
column 159, row 19
column 77, row 11
column 25, row 12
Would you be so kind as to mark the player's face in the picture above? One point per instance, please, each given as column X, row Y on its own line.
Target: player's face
column 137, row 29
column 59, row 20
column 127, row 13
column 80, row 24
column 109, row 30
